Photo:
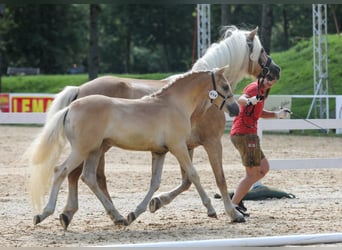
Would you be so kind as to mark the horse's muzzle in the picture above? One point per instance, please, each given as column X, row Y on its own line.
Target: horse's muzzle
column 233, row 109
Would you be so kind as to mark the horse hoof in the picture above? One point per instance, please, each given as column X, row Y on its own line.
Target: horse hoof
column 121, row 222
column 64, row 220
column 239, row 220
column 36, row 220
column 214, row 215
column 130, row 218
column 154, row 205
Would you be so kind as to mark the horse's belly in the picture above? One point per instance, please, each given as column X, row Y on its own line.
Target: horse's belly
column 136, row 143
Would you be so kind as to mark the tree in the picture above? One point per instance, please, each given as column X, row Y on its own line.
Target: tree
column 286, row 29
column 49, row 37
column 225, row 14
column 266, row 27
column 137, row 38
column 2, row 12
column 134, row 41
column 93, row 57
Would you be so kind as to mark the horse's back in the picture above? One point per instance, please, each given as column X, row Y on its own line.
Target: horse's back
column 113, row 86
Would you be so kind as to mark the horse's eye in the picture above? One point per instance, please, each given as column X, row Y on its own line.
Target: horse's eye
column 225, row 87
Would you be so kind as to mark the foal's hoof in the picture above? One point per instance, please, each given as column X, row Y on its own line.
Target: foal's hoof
column 36, row 220
column 154, row 205
column 213, row 215
column 130, row 218
column 121, row 222
column 64, row 220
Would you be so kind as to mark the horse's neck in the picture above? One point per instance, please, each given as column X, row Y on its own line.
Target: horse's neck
column 188, row 92
column 226, row 53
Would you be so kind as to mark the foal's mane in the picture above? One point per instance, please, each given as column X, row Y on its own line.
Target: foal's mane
column 182, row 77
column 231, row 50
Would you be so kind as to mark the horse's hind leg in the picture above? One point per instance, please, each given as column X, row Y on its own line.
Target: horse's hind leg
column 166, row 197
column 72, row 202
column 60, row 174
column 157, row 168
column 89, row 176
column 101, row 177
column 214, row 150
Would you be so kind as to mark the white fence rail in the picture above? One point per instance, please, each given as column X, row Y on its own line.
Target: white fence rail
column 310, row 163
column 22, row 118
column 291, row 124
column 267, row 241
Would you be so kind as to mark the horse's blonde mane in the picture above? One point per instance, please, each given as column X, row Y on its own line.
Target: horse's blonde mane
column 173, row 80
column 232, row 50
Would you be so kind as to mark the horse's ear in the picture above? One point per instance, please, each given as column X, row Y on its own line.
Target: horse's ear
column 221, row 71
column 253, row 33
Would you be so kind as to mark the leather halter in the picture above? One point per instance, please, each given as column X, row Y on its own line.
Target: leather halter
column 264, row 66
column 213, row 94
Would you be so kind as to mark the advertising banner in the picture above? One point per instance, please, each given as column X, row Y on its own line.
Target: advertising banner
column 4, row 103
column 21, row 103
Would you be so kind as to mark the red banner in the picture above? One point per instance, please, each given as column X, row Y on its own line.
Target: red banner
column 30, row 104
column 4, row 103
column 21, row 103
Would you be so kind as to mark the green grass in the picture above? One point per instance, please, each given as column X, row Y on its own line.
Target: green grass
column 55, row 83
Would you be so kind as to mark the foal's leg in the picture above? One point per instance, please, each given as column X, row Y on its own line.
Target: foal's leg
column 60, row 174
column 166, row 197
column 89, row 176
column 182, row 155
column 72, row 202
column 214, row 150
column 157, row 168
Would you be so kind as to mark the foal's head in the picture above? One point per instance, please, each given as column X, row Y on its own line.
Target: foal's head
column 222, row 95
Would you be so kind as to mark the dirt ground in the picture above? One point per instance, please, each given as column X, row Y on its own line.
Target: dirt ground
column 316, row 208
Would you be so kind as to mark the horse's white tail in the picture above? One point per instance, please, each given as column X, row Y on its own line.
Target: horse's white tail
column 62, row 100
column 43, row 155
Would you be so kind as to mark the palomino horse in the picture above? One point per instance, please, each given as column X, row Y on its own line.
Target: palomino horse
column 158, row 123
column 240, row 49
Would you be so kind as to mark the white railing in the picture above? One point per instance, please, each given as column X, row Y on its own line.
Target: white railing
column 22, row 118
column 291, row 124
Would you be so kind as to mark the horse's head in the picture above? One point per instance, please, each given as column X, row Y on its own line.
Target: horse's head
column 222, row 95
column 242, row 51
column 260, row 64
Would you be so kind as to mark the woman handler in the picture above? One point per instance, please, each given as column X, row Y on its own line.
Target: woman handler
column 244, row 134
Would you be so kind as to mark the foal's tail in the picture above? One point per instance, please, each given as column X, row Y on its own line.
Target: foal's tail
column 62, row 100
column 43, row 155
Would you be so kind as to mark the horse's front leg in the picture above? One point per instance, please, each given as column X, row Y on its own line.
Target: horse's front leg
column 214, row 149
column 157, row 168
column 166, row 197
column 181, row 153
